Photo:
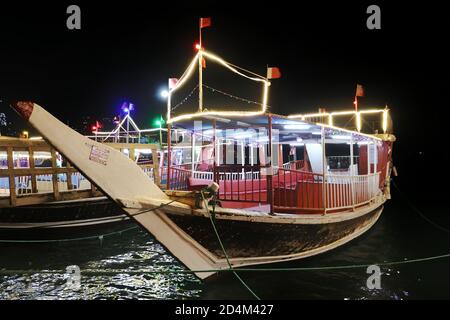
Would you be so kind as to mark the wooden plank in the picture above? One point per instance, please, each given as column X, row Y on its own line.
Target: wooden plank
column 69, row 177
column 37, row 171
column 156, row 175
column 24, row 143
column 12, row 183
column 32, row 167
column 118, row 177
column 33, row 199
column 55, row 176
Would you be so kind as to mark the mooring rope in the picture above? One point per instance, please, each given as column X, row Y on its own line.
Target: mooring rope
column 230, row 267
column 100, row 237
column 185, row 271
column 419, row 212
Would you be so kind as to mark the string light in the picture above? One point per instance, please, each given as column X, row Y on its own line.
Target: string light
column 185, row 99
column 346, row 130
column 188, row 73
column 357, row 114
column 233, row 96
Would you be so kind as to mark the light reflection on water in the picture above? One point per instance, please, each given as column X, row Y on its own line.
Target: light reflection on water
column 137, row 251
column 395, row 237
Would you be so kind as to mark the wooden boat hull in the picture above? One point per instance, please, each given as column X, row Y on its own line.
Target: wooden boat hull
column 62, row 220
column 245, row 241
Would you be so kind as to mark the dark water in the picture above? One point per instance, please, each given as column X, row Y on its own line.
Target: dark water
column 399, row 234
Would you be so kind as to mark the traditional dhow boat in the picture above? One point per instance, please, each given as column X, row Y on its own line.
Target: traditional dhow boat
column 42, row 196
column 267, row 187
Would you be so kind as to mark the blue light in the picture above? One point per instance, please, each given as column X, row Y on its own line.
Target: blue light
column 127, row 107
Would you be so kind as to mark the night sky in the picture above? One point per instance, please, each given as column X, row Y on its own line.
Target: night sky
column 127, row 50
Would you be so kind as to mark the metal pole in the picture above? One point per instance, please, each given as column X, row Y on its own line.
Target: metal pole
column 324, row 160
column 160, row 134
column 128, row 126
column 200, row 73
column 269, row 175
column 215, row 178
column 169, row 158
column 192, row 152
column 352, row 184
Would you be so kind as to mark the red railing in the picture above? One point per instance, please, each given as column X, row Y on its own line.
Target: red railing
column 292, row 191
column 297, row 190
column 179, row 178
column 241, row 183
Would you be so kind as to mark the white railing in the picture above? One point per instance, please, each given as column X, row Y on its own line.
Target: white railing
column 203, row 175
column 287, row 166
column 345, row 191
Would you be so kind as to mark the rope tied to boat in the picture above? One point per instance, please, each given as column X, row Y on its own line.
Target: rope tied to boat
column 230, row 267
column 419, row 212
column 212, row 218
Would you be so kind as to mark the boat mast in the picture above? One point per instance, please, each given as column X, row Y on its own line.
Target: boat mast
column 200, row 71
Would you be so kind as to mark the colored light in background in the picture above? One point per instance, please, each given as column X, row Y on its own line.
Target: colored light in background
column 127, row 107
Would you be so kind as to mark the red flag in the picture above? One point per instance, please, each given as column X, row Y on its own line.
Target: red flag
column 359, row 91
column 203, row 63
column 205, row 22
column 172, row 83
column 273, row 73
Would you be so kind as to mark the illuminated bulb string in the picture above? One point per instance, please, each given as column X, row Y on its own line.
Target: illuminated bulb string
column 185, row 99
column 218, row 91
column 233, row 96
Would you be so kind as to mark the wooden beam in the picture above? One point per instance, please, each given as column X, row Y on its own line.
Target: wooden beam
column 32, row 167
column 12, row 184
column 69, row 176
column 55, row 176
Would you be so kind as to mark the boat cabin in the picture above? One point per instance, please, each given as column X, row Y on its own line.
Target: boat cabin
column 281, row 164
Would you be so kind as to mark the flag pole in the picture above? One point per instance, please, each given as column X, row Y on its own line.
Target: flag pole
column 200, row 71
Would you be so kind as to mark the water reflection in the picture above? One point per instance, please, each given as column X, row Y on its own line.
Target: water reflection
column 399, row 234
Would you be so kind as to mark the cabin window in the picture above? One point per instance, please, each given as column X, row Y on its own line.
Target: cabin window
column 61, row 162
column 3, row 160
column 21, row 159
column 4, row 186
column 23, row 184
column 338, row 156
column 42, row 159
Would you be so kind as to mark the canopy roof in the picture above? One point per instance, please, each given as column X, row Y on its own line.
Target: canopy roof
column 285, row 129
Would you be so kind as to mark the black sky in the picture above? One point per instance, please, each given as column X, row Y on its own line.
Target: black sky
column 127, row 50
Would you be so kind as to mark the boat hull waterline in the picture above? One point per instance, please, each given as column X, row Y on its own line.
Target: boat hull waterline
column 249, row 238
